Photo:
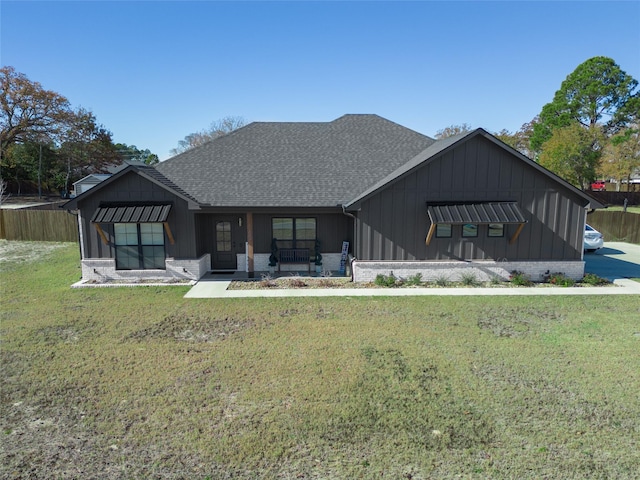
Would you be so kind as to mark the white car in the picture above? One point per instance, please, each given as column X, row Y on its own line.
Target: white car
column 593, row 239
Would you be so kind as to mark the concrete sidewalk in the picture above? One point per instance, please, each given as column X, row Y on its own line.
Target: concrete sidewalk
column 617, row 262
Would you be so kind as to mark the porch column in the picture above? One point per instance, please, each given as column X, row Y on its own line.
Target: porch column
column 250, row 244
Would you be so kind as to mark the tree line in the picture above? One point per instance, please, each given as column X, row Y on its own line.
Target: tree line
column 589, row 130
column 46, row 145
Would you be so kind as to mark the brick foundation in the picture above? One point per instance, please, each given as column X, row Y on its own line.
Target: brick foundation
column 104, row 270
column 366, row 271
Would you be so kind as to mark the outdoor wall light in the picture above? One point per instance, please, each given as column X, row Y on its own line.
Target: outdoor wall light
column 239, row 221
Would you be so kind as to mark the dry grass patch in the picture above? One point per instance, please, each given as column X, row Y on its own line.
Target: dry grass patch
column 141, row 383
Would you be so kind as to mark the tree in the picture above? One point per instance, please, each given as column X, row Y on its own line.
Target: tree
column 133, row 153
column 597, row 92
column 572, row 153
column 28, row 110
column 453, row 130
column 216, row 129
column 86, row 148
column 521, row 139
column 621, row 156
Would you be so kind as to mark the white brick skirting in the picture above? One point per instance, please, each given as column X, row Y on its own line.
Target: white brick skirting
column 366, row 271
column 104, row 270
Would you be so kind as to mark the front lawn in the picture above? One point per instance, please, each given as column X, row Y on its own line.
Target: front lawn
column 139, row 382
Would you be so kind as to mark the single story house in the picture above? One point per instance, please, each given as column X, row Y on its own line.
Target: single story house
column 289, row 194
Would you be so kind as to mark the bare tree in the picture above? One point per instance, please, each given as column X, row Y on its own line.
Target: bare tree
column 452, row 130
column 216, row 129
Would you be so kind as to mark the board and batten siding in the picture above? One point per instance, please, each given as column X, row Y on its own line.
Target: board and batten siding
column 134, row 188
column 393, row 223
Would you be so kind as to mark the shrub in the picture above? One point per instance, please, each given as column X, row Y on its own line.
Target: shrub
column 469, row 279
column 593, row 279
column 561, row 280
column 520, row 279
column 496, row 280
column 385, row 280
column 442, row 281
column 414, row 280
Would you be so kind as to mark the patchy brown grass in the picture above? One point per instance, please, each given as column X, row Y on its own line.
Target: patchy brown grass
column 128, row 383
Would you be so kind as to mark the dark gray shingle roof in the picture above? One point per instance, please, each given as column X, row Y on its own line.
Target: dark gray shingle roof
column 294, row 164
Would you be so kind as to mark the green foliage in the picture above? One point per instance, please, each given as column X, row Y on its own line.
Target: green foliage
column 414, row 280
column 597, row 92
column 442, row 281
column 469, row 279
column 561, row 280
column 520, row 279
column 386, row 280
column 573, row 153
column 595, row 280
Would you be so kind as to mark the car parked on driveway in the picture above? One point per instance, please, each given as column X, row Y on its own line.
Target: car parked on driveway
column 593, row 239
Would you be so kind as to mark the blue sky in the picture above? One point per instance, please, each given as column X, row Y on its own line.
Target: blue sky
column 155, row 71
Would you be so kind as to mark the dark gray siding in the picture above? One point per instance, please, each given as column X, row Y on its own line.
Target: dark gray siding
column 393, row 223
column 134, row 188
column 331, row 228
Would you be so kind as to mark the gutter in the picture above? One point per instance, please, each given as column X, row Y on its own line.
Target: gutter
column 355, row 233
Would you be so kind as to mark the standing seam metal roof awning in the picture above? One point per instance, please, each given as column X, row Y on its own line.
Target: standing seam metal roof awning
column 477, row 213
column 132, row 214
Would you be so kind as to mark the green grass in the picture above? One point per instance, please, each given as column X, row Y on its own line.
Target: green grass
column 142, row 383
column 619, row 208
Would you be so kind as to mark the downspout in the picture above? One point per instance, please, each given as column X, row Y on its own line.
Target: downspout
column 355, row 233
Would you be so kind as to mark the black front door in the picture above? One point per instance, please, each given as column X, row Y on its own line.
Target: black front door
column 225, row 247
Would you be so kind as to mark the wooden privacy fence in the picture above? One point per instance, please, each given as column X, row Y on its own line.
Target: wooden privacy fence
column 38, row 225
column 616, row 226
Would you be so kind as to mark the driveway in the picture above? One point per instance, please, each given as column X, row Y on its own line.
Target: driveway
column 614, row 261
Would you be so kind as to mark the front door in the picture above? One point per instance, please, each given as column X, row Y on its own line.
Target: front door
column 225, row 248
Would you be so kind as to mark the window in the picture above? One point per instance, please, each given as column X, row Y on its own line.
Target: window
column 469, row 230
column 496, row 230
column 139, row 246
column 443, row 230
column 294, row 232
column 223, row 236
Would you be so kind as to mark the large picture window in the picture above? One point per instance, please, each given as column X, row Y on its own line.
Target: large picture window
column 139, row 246
column 294, row 232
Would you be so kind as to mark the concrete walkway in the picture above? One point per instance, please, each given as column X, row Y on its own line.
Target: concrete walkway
column 616, row 261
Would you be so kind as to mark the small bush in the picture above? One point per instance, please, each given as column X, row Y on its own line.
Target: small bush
column 469, row 280
column 595, row 280
column 385, row 280
column 561, row 280
column 496, row 280
column 442, row 281
column 520, row 279
column 414, row 280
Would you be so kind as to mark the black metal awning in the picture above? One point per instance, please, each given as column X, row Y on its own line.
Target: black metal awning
column 476, row 213
column 132, row 214
column 483, row 213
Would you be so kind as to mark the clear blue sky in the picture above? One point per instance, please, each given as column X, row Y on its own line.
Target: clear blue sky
column 153, row 72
